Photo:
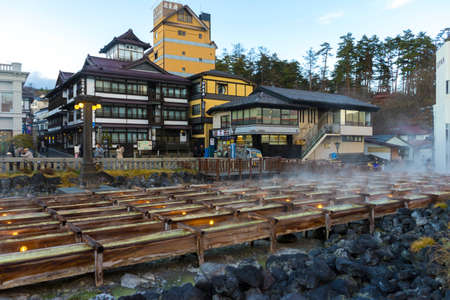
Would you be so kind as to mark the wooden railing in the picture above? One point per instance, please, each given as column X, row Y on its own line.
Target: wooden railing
column 14, row 164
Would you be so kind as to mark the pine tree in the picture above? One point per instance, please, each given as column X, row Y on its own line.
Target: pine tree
column 311, row 65
column 325, row 52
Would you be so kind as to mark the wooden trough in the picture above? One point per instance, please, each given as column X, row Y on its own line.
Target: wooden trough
column 47, row 238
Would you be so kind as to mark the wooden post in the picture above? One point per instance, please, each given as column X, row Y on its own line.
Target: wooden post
column 99, row 267
column 250, row 167
column 200, row 248
column 240, row 169
column 327, row 225
column 217, row 169
column 372, row 218
column 273, row 237
column 229, row 168
column 261, row 161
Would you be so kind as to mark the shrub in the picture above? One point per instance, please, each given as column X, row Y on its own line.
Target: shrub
column 442, row 205
column 441, row 256
column 421, row 243
column 23, row 140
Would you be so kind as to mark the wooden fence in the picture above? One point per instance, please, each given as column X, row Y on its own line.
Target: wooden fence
column 214, row 167
column 14, row 164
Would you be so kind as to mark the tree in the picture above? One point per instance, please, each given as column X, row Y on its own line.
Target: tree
column 345, row 65
column 324, row 51
column 311, row 65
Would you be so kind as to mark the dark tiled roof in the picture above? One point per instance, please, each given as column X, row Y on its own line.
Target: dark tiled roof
column 218, row 74
column 319, row 99
column 115, row 68
column 127, row 38
column 27, row 92
column 259, row 99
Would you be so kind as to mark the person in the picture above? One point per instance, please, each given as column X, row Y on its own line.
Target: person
column 43, row 147
column 27, row 153
column 12, row 149
column 119, row 151
column 99, row 152
column 76, row 151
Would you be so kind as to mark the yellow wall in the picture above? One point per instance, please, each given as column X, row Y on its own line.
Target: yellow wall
column 184, row 64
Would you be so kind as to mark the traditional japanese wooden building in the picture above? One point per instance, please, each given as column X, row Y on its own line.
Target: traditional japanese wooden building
column 140, row 101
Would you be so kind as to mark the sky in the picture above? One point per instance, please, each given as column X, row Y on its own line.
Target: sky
column 51, row 35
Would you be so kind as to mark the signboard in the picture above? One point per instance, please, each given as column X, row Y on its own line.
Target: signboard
column 223, row 132
column 145, row 145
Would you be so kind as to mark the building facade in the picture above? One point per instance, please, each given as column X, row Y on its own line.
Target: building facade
column 209, row 89
column 182, row 42
column 442, row 110
column 27, row 115
column 11, row 83
column 141, row 103
column 293, row 123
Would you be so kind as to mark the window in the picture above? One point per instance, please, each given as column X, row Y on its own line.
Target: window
column 352, row 138
column 6, row 99
column 222, row 88
column 156, row 35
column 181, row 33
column 132, row 88
column 156, row 55
column 200, row 35
column 183, row 53
column 273, row 139
column 447, row 87
column 225, row 121
column 174, row 91
column 200, row 59
column 175, row 115
column 195, row 109
column 183, row 69
column 130, row 52
column 357, row 118
column 184, row 16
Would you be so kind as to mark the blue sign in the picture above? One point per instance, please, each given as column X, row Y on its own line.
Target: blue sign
column 233, row 150
column 333, row 155
column 93, row 124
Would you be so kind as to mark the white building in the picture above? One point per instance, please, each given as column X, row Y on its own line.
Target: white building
column 442, row 110
column 11, row 82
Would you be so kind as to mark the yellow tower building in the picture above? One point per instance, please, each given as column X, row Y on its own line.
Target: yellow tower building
column 182, row 42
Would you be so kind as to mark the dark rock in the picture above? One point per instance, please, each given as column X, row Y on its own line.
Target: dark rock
column 255, row 294
column 368, row 292
column 287, row 238
column 268, row 280
column 386, row 286
column 226, row 285
column 103, row 297
column 307, row 278
column 151, row 295
column 38, row 182
column 294, row 296
column 133, row 297
column 322, row 271
column 346, row 266
column 20, row 181
column 206, row 272
column 120, row 181
column 287, row 262
column 370, row 258
column 320, row 293
column 279, row 274
column 248, row 275
column 404, row 211
column 185, row 292
column 344, row 285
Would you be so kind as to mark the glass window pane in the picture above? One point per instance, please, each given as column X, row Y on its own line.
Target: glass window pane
column 276, row 116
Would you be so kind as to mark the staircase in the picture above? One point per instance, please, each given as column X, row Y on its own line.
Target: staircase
column 317, row 134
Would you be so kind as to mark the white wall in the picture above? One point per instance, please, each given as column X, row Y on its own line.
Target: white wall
column 442, row 110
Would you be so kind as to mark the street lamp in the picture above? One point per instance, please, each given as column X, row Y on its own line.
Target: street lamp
column 88, row 173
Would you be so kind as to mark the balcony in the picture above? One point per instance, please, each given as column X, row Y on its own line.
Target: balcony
column 356, row 130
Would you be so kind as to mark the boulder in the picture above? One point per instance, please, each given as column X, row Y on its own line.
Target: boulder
column 346, row 266
column 255, row 294
column 225, row 285
column 344, row 285
column 184, row 292
column 322, row 271
column 294, row 296
column 248, row 276
column 103, row 297
column 131, row 281
column 133, row 297
column 207, row 271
